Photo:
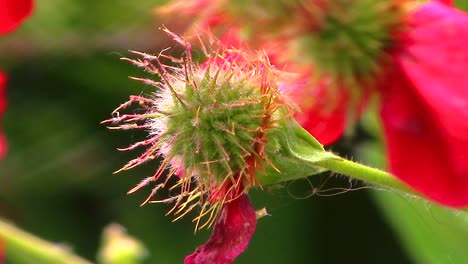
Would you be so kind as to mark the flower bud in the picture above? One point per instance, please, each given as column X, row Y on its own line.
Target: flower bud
column 216, row 126
column 119, row 248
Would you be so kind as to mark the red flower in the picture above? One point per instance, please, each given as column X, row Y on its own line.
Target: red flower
column 325, row 120
column 12, row 13
column 231, row 235
column 425, row 105
column 424, row 100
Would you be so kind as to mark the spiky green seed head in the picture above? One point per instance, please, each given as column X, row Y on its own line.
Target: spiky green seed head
column 208, row 122
column 349, row 39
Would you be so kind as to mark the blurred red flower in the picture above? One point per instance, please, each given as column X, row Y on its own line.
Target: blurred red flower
column 425, row 104
column 12, row 13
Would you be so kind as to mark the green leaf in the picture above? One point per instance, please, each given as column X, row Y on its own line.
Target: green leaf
column 430, row 233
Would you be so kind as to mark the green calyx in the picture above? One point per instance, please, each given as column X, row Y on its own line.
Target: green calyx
column 351, row 39
column 294, row 152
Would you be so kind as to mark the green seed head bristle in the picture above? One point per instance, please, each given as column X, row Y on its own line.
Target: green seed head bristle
column 209, row 122
column 217, row 127
column 351, row 40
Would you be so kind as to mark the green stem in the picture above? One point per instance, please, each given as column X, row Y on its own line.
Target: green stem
column 369, row 174
column 365, row 173
column 22, row 247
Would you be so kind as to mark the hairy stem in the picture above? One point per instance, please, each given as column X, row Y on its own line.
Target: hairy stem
column 365, row 173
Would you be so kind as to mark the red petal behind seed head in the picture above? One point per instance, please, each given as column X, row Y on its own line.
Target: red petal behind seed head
column 231, row 234
column 12, row 13
column 323, row 116
column 322, row 112
column 204, row 14
column 3, row 80
column 447, row 2
column 231, row 38
column 425, row 106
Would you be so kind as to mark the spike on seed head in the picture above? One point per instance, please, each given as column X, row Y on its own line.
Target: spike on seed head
column 209, row 122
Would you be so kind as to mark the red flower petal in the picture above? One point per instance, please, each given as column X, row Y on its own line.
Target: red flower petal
column 12, row 13
column 3, row 80
column 231, row 235
column 447, row 2
column 426, row 108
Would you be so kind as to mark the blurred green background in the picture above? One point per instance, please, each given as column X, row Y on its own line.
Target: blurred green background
column 56, row 181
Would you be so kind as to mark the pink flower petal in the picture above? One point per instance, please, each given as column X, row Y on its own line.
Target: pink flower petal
column 12, row 13
column 231, row 235
column 425, row 109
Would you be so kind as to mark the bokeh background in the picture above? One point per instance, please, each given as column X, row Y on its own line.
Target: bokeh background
column 65, row 76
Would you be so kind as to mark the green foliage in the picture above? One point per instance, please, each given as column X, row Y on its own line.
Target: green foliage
column 461, row 4
column 431, row 234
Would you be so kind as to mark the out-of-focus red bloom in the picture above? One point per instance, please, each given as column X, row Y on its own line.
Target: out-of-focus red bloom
column 424, row 100
column 231, row 235
column 425, row 104
column 12, row 13
column 203, row 13
column 325, row 120
column 447, row 2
